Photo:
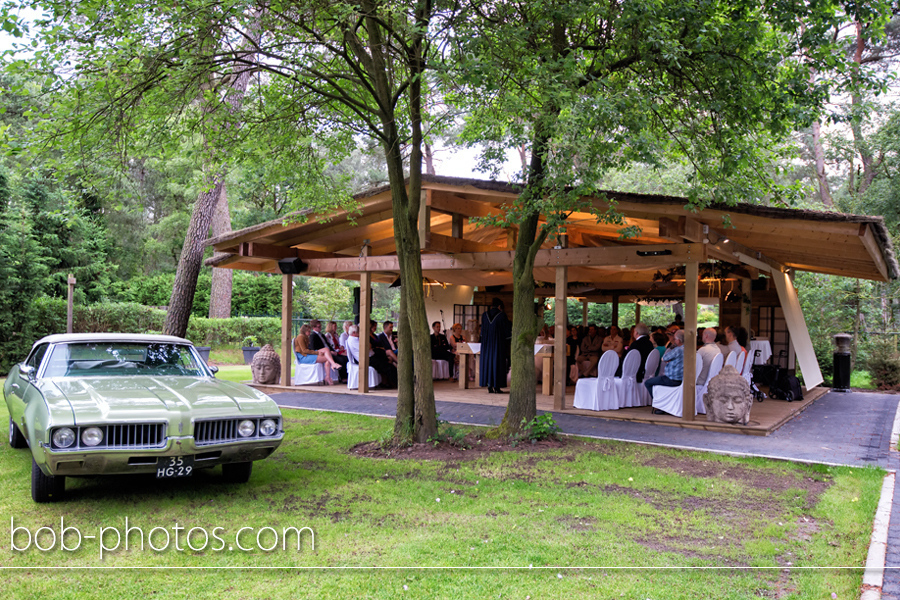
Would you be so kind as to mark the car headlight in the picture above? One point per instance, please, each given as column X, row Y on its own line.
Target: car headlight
column 268, row 427
column 246, row 428
column 63, row 437
column 92, row 436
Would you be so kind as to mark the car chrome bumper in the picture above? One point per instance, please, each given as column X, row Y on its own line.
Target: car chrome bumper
column 139, row 460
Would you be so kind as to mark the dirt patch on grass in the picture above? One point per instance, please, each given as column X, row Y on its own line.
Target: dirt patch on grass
column 758, row 479
column 470, row 448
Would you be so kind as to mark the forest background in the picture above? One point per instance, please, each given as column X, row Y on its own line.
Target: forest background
column 115, row 215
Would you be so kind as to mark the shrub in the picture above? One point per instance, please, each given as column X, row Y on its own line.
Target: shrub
column 884, row 364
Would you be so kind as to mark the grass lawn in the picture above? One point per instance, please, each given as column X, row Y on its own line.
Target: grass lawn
column 486, row 518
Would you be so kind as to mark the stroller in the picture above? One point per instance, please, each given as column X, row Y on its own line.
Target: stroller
column 783, row 385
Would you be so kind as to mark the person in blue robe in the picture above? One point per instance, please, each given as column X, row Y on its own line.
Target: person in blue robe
column 495, row 334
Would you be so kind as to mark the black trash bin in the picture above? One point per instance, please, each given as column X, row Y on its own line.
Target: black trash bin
column 842, row 369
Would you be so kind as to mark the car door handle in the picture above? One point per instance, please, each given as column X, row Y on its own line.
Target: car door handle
column 15, row 386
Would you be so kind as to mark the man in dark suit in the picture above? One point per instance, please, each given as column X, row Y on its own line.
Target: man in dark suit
column 317, row 341
column 386, row 341
column 384, row 360
column 643, row 344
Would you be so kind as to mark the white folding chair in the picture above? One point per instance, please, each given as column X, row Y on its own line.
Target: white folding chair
column 731, row 359
column 669, row 399
column 308, row 374
column 650, row 369
column 716, row 366
column 599, row 393
column 627, row 385
column 353, row 371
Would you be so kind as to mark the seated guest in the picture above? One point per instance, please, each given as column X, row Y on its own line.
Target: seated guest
column 308, row 356
column 332, row 337
column 589, row 353
column 731, row 344
column 440, row 346
column 319, row 340
column 743, row 339
column 674, row 366
column 380, row 360
column 613, row 341
column 660, row 339
column 708, row 351
column 343, row 339
column 386, row 341
column 644, row 345
column 571, row 352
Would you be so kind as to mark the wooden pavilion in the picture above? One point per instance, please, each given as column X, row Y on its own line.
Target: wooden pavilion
column 677, row 254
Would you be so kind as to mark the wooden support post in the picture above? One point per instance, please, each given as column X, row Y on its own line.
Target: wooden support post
column 746, row 304
column 559, row 339
column 424, row 220
column 512, row 236
column 637, row 313
column 287, row 316
column 365, row 292
column 691, row 284
column 457, row 225
column 615, row 310
column 70, row 305
column 584, row 312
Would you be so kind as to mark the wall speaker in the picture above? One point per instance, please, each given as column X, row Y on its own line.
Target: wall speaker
column 291, row 266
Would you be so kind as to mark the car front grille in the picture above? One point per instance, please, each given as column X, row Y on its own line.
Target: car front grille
column 145, row 435
column 221, row 431
column 131, row 436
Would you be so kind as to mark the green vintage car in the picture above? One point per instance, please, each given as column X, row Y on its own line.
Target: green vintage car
column 98, row 404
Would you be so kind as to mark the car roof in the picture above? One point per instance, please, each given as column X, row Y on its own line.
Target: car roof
column 62, row 338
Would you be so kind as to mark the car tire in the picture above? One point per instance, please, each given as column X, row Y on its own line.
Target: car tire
column 46, row 488
column 16, row 439
column 237, row 472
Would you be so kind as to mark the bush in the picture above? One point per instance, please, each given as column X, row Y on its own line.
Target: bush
column 884, row 364
column 136, row 318
column 231, row 332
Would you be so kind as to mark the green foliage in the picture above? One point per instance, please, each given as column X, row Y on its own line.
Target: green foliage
column 884, row 364
column 450, row 434
column 23, row 272
column 327, row 299
column 541, row 427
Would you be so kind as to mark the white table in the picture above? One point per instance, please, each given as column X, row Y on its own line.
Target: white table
column 765, row 351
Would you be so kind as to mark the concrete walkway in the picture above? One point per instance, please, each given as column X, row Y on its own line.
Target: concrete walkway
column 838, row 429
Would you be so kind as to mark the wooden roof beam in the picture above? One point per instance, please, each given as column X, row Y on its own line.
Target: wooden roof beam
column 623, row 257
column 868, row 240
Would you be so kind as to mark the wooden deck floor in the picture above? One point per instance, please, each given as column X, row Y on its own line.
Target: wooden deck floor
column 765, row 417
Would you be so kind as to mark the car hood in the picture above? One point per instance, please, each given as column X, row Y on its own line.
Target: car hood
column 105, row 399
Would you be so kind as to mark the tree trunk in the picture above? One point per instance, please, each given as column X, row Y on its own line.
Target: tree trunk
column 190, row 261
column 220, row 292
column 191, row 258
column 869, row 163
column 522, row 406
column 416, row 418
column 821, row 177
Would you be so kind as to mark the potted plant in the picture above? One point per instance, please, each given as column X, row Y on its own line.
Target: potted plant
column 250, row 346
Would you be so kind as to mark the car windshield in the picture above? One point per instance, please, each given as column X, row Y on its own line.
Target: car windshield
column 121, row 358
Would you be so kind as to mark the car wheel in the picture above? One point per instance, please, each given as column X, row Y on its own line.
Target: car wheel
column 237, row 472
column 46, row 488
column 16, row 439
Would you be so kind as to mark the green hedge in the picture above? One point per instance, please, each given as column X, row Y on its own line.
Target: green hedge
column 136, row 318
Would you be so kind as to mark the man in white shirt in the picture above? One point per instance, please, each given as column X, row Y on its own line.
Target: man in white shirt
column 708, row 352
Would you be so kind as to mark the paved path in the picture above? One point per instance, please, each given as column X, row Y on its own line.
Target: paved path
column 844, row 429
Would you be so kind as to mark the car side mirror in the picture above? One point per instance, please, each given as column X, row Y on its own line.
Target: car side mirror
column 26, row 371
column 213, row 368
